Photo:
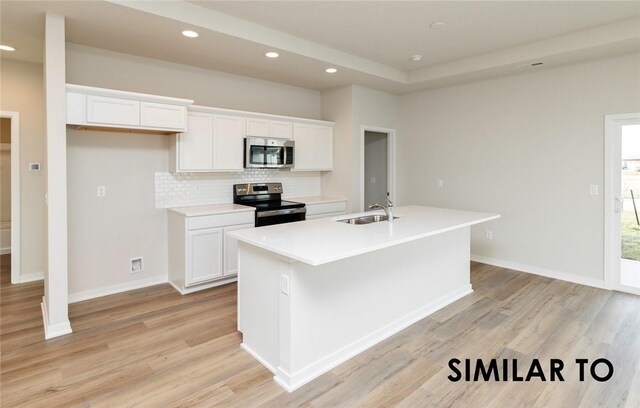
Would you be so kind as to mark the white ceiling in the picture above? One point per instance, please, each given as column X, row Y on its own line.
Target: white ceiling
column 389, row 32
column 369, row 42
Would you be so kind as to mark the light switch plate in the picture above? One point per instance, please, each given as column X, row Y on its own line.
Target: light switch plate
column 440, row 183
column 593, row 189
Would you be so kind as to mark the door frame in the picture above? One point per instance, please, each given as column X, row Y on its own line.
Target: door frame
column 391, row 161
column 15, row 193
column 612, row 165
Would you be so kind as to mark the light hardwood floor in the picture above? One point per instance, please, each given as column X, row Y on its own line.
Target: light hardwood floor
column 155, row 348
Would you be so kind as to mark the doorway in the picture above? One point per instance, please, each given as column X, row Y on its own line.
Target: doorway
column 378, row 166
column 622, row 202
column 10, row 192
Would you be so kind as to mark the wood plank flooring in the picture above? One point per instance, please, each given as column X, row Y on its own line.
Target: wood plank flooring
column 155, row 348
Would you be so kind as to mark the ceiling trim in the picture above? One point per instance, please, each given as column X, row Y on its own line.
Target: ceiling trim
column 197, row 16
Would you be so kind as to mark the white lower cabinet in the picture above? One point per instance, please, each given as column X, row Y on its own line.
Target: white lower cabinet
column 200, row 254
column 204, row 257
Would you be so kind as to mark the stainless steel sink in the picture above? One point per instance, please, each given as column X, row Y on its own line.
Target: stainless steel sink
column 365, row 219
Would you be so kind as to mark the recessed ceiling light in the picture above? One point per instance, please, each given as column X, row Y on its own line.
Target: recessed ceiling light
column 416, row 58
column 190, row 33
column 330, row 70
column 437, row 25
column 272, row 54
column 6, row 48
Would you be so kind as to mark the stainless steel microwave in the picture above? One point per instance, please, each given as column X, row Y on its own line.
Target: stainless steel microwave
column 268, row 153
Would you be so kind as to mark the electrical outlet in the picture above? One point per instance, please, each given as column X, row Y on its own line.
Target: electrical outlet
column 284, row 284
column 440, row 183
column 489, row 234
column 136, row 265
column 102, row 191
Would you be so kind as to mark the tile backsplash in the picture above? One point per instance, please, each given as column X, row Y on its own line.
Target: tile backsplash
column 188, row 189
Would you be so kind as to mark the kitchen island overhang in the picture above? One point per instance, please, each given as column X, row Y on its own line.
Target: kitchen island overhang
column 313, row 294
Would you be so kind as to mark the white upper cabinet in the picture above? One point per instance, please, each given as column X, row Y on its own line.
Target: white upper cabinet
column 214, row 141
column 281, row 130
column 89, row 107
column 112, row 111
column 195, row 146
column 314, row 147
column 257, row 127
column 228, row 142
column 162, row 115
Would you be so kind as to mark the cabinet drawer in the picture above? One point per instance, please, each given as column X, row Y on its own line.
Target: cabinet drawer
column 323, row 208
column 112, row 111
column 160, row 115
column 220, row 220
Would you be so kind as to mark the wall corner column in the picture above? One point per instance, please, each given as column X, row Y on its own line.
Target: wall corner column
column 55, row 301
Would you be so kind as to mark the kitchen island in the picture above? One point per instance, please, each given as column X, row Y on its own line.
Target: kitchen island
column 313, row 294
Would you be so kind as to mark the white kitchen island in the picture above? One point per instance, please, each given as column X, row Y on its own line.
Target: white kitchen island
column 313, row 294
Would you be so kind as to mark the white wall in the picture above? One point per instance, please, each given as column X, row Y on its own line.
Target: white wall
column 526, row 146
column 352, row 107
column 375, row 168
column 105, row 232
column 22, row 91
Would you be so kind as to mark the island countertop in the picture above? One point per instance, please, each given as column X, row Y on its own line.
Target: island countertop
column 317, row 242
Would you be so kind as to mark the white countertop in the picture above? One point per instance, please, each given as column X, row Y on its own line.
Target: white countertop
column 317, row 200
column 317, row 242
column 201, row 210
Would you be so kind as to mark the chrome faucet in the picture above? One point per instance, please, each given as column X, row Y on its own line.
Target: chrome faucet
column 388, row 209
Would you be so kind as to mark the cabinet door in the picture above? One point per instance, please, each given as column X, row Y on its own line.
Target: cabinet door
column 162, row 115
column 204, row 255
column 281, row 130
column 324, row 148
column 195, row 146
column 228, row 142
column 112, row 111
column 257, row 127
column 304, row 153
column 231, row 250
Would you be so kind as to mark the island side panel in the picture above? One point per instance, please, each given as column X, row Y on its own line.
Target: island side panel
column 340, row 309
column 258, row 303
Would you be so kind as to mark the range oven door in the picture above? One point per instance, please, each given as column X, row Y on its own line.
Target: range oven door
column 268, row 153
column 264, row 218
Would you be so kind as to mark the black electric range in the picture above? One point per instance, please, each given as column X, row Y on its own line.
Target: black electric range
column 270, row 207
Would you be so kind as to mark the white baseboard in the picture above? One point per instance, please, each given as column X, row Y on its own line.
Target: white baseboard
column 5, row 251
column 56, row 330
column 31, row 277
column 548, row 273
column 198, row 288
column 119, row 288
column 291, row 382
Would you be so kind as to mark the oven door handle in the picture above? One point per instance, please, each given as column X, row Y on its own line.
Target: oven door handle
column 271, row 213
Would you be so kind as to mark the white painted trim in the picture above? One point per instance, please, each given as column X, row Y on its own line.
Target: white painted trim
column 391, row 161
column 51, row 331
column 198, row 288
column 249, row 114
column 114, row 93
column 113, row 289
column 15, row 249
column 291, row 382
column 5, row 251
column 31, row 277
column 548, row 273
column 612, row 163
